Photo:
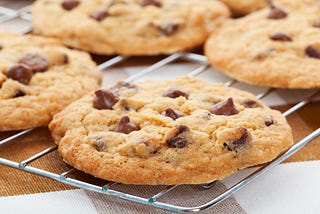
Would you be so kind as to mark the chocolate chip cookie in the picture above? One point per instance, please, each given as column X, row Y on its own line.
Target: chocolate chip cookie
column 39, row 77
column 128, row 27
column 182, row 131
column 240, row 8
column 278, row 46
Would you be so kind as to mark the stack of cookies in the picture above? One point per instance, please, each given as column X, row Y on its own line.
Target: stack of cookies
column 179, row 131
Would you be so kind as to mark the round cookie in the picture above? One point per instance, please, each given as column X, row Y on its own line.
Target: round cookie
column 240, row 8
column 39, row 77
column 182, row 131
column 128, row 27
column 277, row 46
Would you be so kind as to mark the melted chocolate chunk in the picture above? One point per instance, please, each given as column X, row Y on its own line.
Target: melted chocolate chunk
column 125, row 106
column 155, row 3
column 312, row 52
column 179, row 138
column 125, row 126
column 243, row 140
column 70, row 4
column 269, row 122
column 20, row 73
column 168, row 28
column 104, row 99
column 19, row 93
column 174, row 114
column 176, row 92
column 225, row 107
column 122, row 84
column 1, row 47
column 99, row 144
column 181, row 129
column 280, row 36
column 35, row 62
column 177, row 142
column 276, row 12
column 251, row 104
column 99, row 14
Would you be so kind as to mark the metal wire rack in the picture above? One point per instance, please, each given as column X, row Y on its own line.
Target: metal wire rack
column 7, row 14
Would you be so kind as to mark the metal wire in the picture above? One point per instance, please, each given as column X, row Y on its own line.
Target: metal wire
column 8, row 14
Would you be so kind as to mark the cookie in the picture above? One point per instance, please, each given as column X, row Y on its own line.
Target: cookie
column 240, row 8
column 181, row 131
column 39, row 77
column 278, row 46
column 128, row 27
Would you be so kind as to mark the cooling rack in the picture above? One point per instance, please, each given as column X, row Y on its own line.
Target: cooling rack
column 7, row 14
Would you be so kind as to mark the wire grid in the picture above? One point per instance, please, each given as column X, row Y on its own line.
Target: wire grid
column 7, row 14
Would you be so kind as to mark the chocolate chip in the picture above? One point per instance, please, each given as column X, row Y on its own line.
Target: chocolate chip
column 174, row 114
column 104, row 99
column 177, row 142
column 178, row 137
column 1, row 47
column 317, row 23
column 176, row 92
column 168, row 28
column 145, row 3
column 70, row 4
column 35, row 62
column 19, row 93
column 125, row 106
column 269, row 122
column 280, row 36
column 250, row 104
column 99, row 144
column 99, row 14
column 313, row 52
column 235, row 144
column 181, row 129
column 225, row 107
column 125, row 126
column 276, row 12
column 122, row 84
column 20, row 72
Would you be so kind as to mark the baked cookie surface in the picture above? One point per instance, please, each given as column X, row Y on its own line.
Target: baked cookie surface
column 128, row 27
column 168, row 132
column 278, row 46
column 244, row 7
column 38, row 77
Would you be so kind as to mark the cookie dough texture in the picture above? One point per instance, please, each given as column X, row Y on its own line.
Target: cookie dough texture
column 182, row 131
column 271, row 49
column 39, row 77
column 129, row 27
column 244, row 7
